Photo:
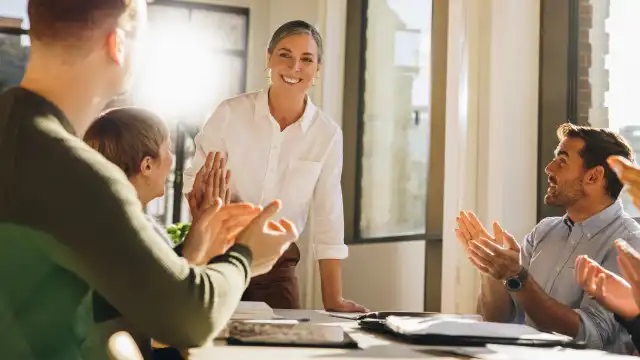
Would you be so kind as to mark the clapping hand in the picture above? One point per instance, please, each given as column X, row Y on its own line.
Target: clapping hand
column 267, row 239
column 629, row 175
column 470, row 229
column 608, row 289
column 497, row 256
column 211, row 182
column 215, row 230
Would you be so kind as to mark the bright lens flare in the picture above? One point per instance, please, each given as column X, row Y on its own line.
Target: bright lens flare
column 177, row 80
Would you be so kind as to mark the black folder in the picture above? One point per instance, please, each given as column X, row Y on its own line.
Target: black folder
column 378, row 324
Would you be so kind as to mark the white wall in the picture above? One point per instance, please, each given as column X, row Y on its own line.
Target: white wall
column 491, row 130
column 386, row 276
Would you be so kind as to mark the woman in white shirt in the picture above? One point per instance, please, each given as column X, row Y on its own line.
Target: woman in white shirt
column 278, row 145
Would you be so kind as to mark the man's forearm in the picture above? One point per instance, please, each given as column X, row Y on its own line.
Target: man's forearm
column 331, row 282
column 494, row 302
column 546, row 312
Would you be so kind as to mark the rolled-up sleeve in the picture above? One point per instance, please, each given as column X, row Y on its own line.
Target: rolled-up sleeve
column 210, row 138
column 597, row 326
column 327, row 208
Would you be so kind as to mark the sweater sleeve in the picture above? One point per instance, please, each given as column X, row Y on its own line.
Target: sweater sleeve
column 107, row 241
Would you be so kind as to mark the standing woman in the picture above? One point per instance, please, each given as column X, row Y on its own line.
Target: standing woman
column 278, row 145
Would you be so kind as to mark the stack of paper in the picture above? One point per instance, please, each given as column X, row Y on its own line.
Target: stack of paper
column 461, row 326
column 250, row 310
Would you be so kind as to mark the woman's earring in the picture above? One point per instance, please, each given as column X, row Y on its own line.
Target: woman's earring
column 268, row 75
column 313, row 82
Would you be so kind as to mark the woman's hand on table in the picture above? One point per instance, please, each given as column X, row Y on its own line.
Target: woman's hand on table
column 211, row 182
column 346, row 306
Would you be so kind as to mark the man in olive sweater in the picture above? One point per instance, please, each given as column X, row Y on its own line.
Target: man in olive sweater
column 70, row 222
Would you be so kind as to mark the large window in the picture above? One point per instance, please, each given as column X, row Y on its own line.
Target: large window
column 194, row 57
column 392, row 130
column 597, row 40
column 608, row 70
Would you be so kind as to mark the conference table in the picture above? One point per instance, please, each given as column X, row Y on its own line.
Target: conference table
column 372, row 346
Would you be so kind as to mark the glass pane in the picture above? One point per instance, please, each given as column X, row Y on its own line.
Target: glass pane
column 13, row 59
column 225, row 30
column 608, row 70
column 396, row 118
column 186, row 73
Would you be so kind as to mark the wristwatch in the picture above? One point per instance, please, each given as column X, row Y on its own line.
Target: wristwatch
column 516, row 282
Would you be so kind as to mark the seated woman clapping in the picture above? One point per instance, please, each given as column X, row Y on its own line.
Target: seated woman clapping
column 138, row 142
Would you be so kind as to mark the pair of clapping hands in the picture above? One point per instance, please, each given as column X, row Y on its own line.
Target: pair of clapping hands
column 218, row 224
column 499, row 256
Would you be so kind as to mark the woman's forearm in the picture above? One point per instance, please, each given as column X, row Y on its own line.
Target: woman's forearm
column 331, row 282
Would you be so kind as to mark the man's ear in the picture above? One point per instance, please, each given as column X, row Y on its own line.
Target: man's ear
column 145, row 165
column 595, row 175
column 115, row 44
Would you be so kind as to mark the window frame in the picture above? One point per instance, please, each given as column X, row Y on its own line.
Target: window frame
column 558, row 80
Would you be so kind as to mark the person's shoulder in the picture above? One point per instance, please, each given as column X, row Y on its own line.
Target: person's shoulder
column 548, row 223
column 544, row 227
column 326, row 123
column 70, row 161
column 631, row 230
column 245, row 100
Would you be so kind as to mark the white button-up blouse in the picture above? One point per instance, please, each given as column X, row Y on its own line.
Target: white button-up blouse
column 301, row 165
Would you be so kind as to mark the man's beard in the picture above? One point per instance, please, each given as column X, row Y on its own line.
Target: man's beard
column 564, row 195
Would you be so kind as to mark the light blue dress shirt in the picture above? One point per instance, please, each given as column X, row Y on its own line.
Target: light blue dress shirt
column 549, row 253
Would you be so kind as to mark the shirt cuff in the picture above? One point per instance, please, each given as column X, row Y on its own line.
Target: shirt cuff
column 322, row 251
column 239, row 249
column 588, row 332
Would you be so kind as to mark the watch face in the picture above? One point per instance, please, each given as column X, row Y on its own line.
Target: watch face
column 514, row 284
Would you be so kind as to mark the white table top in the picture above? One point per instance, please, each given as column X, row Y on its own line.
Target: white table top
column 371, row 346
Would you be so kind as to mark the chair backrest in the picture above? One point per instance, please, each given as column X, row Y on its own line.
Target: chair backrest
column 123, row 347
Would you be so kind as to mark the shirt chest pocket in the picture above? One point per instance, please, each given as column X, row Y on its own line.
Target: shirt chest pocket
column 301, row 179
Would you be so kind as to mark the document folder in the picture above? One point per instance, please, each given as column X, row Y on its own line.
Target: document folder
column 464, row 330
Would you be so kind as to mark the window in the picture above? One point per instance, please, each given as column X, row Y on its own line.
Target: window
column 393, row 124
column 14, row 44
column 194, row 57
column 608, row 71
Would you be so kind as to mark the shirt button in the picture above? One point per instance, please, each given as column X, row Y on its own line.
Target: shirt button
column 557, row 269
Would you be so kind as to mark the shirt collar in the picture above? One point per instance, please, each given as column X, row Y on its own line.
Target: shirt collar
column 262, row 110
column 597, row 222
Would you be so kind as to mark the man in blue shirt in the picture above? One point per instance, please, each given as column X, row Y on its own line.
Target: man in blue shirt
column 533, row 282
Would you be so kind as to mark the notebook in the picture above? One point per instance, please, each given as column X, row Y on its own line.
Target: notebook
column 455, row 330
column 251, row 310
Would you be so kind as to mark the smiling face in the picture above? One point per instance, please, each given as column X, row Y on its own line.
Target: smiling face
column 566, row 174
column 294, row 63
